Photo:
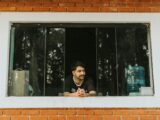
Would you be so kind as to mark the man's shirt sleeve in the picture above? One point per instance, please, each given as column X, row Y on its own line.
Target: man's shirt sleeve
column 67, row 85
column 90, row 85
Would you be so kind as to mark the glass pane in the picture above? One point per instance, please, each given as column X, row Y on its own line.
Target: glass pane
column 36, row 60
column 26, row 69
column 121, row 52
column 106, row 62
column 55, row 61
column 123, row 60
column 133, row 60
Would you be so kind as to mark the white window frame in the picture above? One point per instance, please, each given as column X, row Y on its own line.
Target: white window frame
column 6, row 18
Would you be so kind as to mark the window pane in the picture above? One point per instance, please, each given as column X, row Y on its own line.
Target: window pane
column 123, row 60
column 117, row 57
column 55, row 61
column 36, row 60
column 106, row 61
column 133, row 59
column 27, row 66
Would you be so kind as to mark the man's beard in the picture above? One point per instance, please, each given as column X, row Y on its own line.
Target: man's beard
column 81, row 77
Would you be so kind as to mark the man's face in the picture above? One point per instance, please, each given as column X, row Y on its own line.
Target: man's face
column 79, row 73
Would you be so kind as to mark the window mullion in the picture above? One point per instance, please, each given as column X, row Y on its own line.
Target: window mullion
column 45, row 38
column 116, row 61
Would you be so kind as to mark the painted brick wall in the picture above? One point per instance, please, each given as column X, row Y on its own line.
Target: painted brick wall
column 80, row 114
column 80, row 6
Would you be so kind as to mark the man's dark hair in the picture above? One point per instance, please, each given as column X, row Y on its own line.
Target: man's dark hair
column 76, row 64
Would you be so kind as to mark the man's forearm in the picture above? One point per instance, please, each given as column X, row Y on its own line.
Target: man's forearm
column 70, row 94
column 92, row 93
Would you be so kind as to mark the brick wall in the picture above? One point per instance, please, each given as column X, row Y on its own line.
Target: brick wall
column 80, row 6
column 80, row 114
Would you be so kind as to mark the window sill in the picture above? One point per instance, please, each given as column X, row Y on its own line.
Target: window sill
column 75, row 102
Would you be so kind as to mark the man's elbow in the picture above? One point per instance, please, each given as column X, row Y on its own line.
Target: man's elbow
column 66, row 93
column 92, row 93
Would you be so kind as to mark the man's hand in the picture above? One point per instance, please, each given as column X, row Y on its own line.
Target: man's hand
column 81, row 92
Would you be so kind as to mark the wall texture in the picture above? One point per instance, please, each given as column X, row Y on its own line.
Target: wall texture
column 80, row 114
column 80, row 6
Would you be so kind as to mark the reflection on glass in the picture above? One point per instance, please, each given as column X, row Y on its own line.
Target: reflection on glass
column 106, row 55
column 35, row 49
column 55, row 61
column 123, row 60
column 132, row 47
column 37, row 58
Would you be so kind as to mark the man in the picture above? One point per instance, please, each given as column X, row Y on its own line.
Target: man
column 79, row 85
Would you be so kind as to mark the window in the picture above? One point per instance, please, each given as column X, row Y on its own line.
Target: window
column 117, row 56
column 148, row 22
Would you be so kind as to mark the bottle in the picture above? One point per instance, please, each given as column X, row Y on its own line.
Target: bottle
column 107, row 93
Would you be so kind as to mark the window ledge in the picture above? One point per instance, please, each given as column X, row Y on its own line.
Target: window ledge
column 74, row 102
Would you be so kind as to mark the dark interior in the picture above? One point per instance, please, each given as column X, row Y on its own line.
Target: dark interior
column 80, row 45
